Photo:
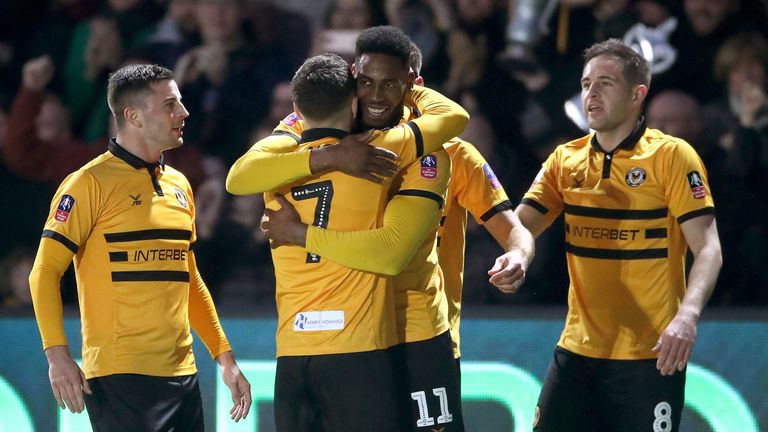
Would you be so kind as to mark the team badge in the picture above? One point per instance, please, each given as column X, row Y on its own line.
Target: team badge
column 696, row 184
column 64, row 208
column 429, row 167
column 180, row 197
column 291, row 119
column 635, row 177
column 491, row 176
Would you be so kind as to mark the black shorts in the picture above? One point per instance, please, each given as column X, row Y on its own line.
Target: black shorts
column 335, row 392
column 427, row 380
column 130, row 402
column 589, row 394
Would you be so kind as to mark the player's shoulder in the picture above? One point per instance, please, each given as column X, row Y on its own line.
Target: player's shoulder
column 654, row 139
column 576, row 144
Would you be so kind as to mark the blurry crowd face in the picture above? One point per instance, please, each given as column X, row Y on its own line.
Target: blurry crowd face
column 382, row 81
column 748, row 72
column 183, row 14
column 675, row 113
column 605, row 94
column 52, row 122
column 282, row 104
column 350, row 15
column 707, row 15
column 219, row 20
column 123, row 5
column 475, row 11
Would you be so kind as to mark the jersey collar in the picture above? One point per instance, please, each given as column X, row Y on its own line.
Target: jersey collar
column 318, row 133
column 132, row 159
column 629, row 142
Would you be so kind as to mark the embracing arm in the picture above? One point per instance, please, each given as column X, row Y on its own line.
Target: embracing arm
column 387, row 250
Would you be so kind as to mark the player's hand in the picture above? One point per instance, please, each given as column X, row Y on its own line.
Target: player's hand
column 37, row 73
column 67, row 379
column 508, row 272
column 238, row 385
column 354, row 156
column 283, row 227
column 675, row 344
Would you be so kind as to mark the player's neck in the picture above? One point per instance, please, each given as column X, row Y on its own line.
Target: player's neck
column 341, row 120
column 611, row 139
column 139, row 148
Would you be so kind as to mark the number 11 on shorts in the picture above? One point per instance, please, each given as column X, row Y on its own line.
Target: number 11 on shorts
column 421, row 399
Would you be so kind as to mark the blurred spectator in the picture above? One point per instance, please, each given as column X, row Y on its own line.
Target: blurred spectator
column 281, row 105
column 14, row 278
column 97, row 48
column 174, row 35
column 704, row 25
column 281, row 32
column 354, row 14
column 226, row 83
column 739, row 120
column 39, row 144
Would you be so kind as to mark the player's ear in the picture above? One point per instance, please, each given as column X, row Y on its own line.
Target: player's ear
column 132, row 116
column 639, row 94
column 419, row 80
column 353, row 68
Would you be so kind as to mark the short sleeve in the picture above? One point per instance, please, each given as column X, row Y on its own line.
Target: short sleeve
column 475, row 184
column 544, row 195
column 686, row 186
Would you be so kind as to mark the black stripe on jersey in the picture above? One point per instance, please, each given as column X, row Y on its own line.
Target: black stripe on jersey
column 424, row 194
column 616, row 254
column 118, row 256
column 603, row 213
column 696, row 213
column 498, row 208
column 419, row 138
column 150, row 276
column 286, row 133
column 153, row 234
column 61, row 239
column 656, row 233
column 540, row 208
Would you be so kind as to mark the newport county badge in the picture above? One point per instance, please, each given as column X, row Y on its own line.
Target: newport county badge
column 64, row 208
column 635, row 177
column 180, row 197
column 696, row 184
column 429, row 167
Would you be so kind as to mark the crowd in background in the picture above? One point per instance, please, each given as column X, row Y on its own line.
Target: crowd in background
column 234, row 58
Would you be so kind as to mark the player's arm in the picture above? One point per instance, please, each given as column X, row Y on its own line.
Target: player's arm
column 275, row 161
column 676, row 343
column 205, row 321
column 408, row 219
column 441, row 119
column 67, row 379
column 508, row 272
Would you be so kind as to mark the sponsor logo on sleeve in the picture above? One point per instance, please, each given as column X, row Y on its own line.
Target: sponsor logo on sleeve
column 635, row 177
column 319, row 321
column 537, row 179
column 291, row 119
column 429, row 167
column 180, row 197
column 64, row 208
column 696, row 184
column 491, row 176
